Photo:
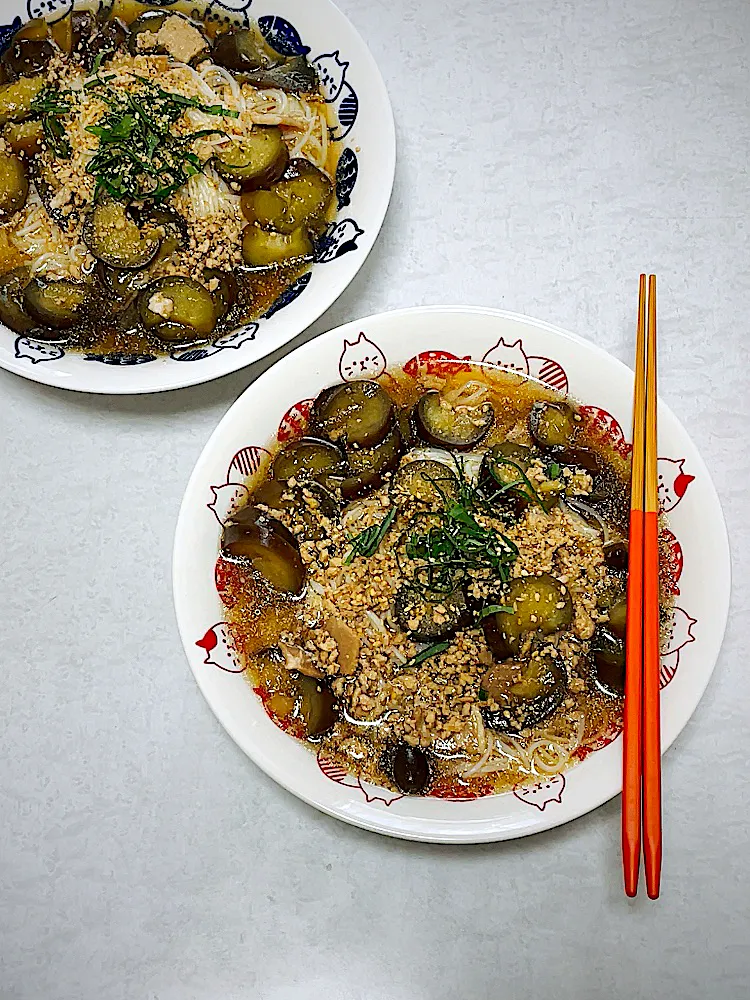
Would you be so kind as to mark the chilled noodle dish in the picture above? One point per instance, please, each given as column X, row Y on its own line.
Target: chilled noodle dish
column 429, row 587
column 162, row 180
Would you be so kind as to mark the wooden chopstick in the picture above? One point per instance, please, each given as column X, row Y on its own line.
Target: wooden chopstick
column 631, row 755
column 641, row 776
column 651, row 736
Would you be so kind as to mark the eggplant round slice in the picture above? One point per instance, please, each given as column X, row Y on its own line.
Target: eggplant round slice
column 310, row 458
column 577, row 458
column 267, row 210
column 14, row 186
column 113, row 238
column 618, row 619
column 27, row 57
column 171, row 228
column 177, row 301
column 265, row 249
column 307, row 193
column 258, row 161
column 223, row 288
column 540, row 604
column 526, row 691
column 410, row 769
column 430, row 617
column 25, row 137
column 426, row 482
column 459, row 428
column 310, row 502
column 12, row 309
column 59, row 304
column 608, row 656
column 242, row 50
column 317, row 706
column 254, row 537
column 123, row 285
column 359, row 413
column 501, row 476
column 616, row 556
column 552, row 425
column 149, row 20
column 16, row 98
column 370, row 466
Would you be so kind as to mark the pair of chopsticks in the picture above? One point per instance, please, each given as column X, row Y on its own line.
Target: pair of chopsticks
column 641, row 774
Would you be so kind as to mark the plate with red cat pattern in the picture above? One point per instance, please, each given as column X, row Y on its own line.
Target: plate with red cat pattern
column 481, row 701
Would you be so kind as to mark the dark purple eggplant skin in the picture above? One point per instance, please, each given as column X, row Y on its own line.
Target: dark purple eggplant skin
column 431, row 435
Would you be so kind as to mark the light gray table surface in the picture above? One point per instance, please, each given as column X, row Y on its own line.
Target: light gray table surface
column 548, row 152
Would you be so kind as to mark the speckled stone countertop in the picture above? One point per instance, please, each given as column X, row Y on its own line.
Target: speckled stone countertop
column 549, row 150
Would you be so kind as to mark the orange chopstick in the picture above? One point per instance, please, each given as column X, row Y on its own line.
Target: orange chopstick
column 641, row 776
column 651, row 737
column 631, row 734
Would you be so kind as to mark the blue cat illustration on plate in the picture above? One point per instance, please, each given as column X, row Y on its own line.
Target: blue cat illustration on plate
column 233, row 340
column 120, row 359
column 37, row 351
column 43, row 8
column 347, row 171
column 289, row 294
column 338, row 239
column 7, row 31
column 232, row 7
column 331, row 70
column 282, row 36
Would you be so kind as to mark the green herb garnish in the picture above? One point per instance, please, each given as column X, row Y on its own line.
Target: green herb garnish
column 494, row 609
column 521, row 486
column 367, row 542
column 438, row 647
column 482, row 694
column 554, row 470
column 51, row 106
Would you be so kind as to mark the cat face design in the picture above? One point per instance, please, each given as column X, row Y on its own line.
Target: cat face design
column 220, row 648
column 235, row 6
column 510, row 356
column 38, row 350
column 543, row 792
column 681, row 632
column 673, row 482
column 331, row 70
column 361, row 359
column 340, row 239
column 237, row 338
column 226, row 500
column 45, row 8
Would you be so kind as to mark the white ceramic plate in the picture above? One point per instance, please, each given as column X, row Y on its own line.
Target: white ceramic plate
column 278, row 401
column 355, row 88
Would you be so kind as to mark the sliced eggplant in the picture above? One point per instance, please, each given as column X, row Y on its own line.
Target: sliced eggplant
column 317, row 707
column 540, row 604
column 410, row 769
column 26, row 138
column 616, row 556
column 426, row 482
column 552, row 425
column 16, row 98
column 369, row 466
column 254, row 537
column 406, row 426
column 27, row 57
column 301, row 198
column 456, row 427
column 245, row 52
column 618, row 619
column 123, row 285
column 257, row 161
column 176, row 301
column 311, row 458
column 355, row 413
column 266, row 249
column 294, row 75
column 169, row 226
column 223, row 288
column 149, row 20
column 501, row 476
column 608, row 656
column 114, row 238
column 14, row 186
column 12, row 308
column 59, row 304
column 267, row 210
column 429, row 617
column 526, row 692
column 310, row 503
column 110, row 36
column 577, row 458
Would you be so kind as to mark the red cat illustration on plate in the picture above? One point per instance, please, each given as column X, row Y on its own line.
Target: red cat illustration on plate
column 602, row 425
column 295, row 420
column 372, row 793
column 680, row 635
column 220, row 649
column 361, row 358
column 672, row 561
column 542, row 793
column 231, row 495
column 515, row 359
column 673, row 481
column 436, row 363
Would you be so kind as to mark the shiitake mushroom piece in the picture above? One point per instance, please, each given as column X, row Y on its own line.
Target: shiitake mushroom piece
column 177, row 301
column 262, row 249
column 354, row 413
column 58, row 304
column 608, row 661
column 368, row 467
column 425, row 481
column 257, row 161
column 458, row 428
column 552, row 425
column 540, row 604
column 253, row 536
column 318, row 707
column 430, row 617
column 113, row 237
column 16, row 98
column 14, row 186
column 409, row 767
column 12, row 307
column 311, row 458
column 527, row 691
